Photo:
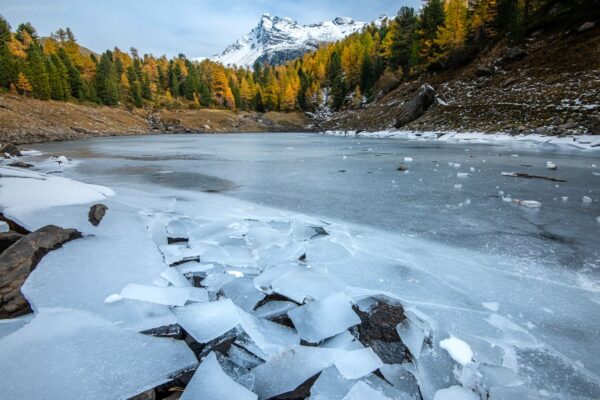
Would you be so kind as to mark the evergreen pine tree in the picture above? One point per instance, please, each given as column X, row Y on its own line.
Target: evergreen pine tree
column 37, row 74
column 107, row 87
column 432, row 17
column 8, row 69
column 336, row 81
column 75, row 81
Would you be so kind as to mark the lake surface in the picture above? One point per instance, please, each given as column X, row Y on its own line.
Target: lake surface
column 356, row 180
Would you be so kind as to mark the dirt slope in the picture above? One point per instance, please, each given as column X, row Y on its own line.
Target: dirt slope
column 552, row 86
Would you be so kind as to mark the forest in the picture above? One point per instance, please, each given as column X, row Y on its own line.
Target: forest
column 442, row 34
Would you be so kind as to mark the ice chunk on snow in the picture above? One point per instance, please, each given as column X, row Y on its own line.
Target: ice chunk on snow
column 586, row 199
column 455, row 393
column 113, row 298
column 362, row 391
column 302, row 283
column 286, row 371
column 358, row 363
column 325, row 318
column 168, row 296
column 492, row 306
column 26, row 191
column 175, row 277
column 210, row 382
column 177, row 253
column 208, row 321
column 408, row 159
column 216, row 280
column 551, row 165
column 73, row 355
column 457, row 349
column 4, row 227
column 274, row 309
column 462, row 174
column 268, row 336
column 194, row 268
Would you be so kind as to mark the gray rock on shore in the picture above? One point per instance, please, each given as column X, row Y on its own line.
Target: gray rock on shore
column 97, row 212
column 9, row 150
column 20, row 259
column 417, row 106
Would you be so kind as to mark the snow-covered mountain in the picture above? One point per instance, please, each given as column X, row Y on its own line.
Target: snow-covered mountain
column 277, row 40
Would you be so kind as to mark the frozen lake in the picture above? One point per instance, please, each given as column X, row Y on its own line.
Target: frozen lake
column 357, row 181
column 442, row 236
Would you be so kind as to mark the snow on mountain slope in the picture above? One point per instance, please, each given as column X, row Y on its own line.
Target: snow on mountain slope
column 277, row 40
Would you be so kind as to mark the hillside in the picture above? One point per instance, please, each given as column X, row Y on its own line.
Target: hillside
column 26, row 120
column 549, row 84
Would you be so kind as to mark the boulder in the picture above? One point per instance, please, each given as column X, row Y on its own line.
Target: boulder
column 20, row 259
column 20, row 164
column 7, row 239
column 483, row 71
column 594, row 124
column 514, row 54
column 97, row 212
column 9, row 149
column 586, row 27
column 417, row 106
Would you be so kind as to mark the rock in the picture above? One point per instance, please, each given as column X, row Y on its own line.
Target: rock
column 20, row 164
column 509, row 82
column 514, row 54
column 20, row 259
column 568, row 125
column 594, row 124
column 402, row 167
column 586, row 26
column 7, row 239
column 417, row 106
column 97, row 212
column 378, row 331
column 80, row 130
column 147, row 395
column 483, row 71
column 10, row 149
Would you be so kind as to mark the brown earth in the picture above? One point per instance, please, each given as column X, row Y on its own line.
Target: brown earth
column 25, row 120
column 553, row 89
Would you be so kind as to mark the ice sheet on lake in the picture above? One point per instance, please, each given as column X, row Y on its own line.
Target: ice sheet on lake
column 208, row 321
column 325, row 318
column 210, row 382
column 289, row 369
column 69, row 354
column 26, row 191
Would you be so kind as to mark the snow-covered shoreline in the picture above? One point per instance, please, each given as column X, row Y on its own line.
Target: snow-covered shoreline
column 581, row 142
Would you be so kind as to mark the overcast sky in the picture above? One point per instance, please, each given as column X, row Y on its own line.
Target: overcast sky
column 193, row 27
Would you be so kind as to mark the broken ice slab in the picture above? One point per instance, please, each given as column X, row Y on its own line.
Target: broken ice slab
column 305, row 227
column 455, row 393
column 168, row 296
column 215, row 280
column 276, row 255
column 268, row 336
column 198, row 295
column 481, row 377
column 178, row 229
column 325, row 251
column 287, row 370
column 243, row 293
column 306, row 283
column 400, row 376
column 8, row 326
column 194, row 268
column 175, row 277
column 362, row 391
column 73, row 355
column 265, row 237
column 412, row 335
column 210, row 382
column 325, row 318
column 243, row 357
column 330, row 385
column 234, row 254
column 264, row 281
column 513, row 393
column 358, row 363
column 177, row 254
column 274, row 309
column 435, row 371
column 241, row 375
column 208, row 321
column 343, row 341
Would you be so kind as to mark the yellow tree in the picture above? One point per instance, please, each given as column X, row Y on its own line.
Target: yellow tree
column 246, row 93
column 453, row 33
column 23, row 85
column 220, row 89
column 288, row 99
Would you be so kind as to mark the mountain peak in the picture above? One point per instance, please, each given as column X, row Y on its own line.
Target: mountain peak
column 278, row 39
